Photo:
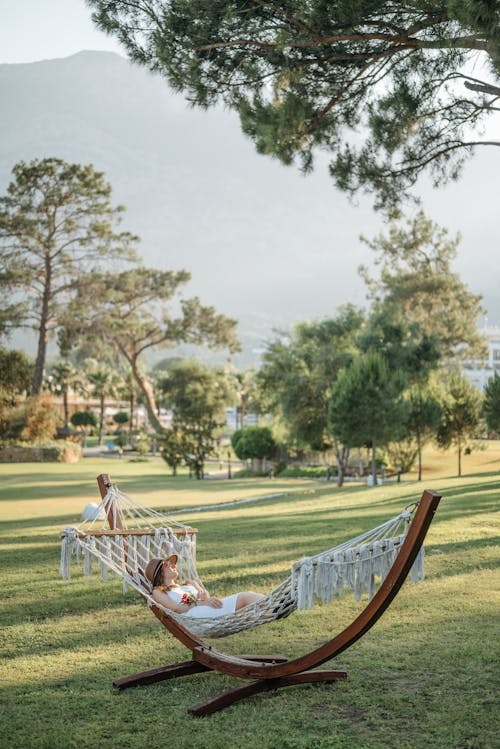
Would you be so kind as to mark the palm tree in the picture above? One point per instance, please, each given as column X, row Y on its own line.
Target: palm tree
column 104, row 382
column 62, row 379
column 128, row 390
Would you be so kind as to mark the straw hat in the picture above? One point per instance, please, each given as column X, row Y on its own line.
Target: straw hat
column 154, row 568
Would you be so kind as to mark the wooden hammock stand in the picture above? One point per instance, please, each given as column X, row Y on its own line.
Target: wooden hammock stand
column 273, row 672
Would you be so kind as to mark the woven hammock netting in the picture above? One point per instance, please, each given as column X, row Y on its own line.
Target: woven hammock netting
column 140, row 533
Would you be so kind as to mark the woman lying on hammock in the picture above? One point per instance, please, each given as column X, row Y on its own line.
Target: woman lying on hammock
column 190, row 598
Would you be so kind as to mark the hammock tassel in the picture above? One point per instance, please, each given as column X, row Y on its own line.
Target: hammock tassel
column 87, row 557
column 340, row 569
column 78, row 552
column 387, row 558
column 305, row 587
column 67, row 547
column 105, row 559
column 350, row 572
column 417, row 571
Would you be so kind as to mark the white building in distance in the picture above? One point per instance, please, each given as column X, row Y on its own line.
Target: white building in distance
column 479, row 371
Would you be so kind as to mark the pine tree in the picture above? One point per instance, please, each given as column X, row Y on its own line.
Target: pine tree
column 57, row 225
column 417, row 78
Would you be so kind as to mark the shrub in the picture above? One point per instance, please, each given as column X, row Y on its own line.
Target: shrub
column 121, row 417
column 253, row 442
column 142, row 444
column 84, row 419
column 310, row 472
column 32, row 420
column 51, row 452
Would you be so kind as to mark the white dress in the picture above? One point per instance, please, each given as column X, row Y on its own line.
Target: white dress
column 200, row 611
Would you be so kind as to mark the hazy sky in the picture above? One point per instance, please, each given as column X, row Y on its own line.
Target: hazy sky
column 42, row 29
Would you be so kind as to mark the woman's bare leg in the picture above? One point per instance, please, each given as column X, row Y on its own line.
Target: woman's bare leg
column 246, row 598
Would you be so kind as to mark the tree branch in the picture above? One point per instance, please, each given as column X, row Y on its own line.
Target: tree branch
column 484, row 88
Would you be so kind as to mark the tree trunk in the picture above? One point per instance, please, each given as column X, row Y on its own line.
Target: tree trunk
column 66, row 408
column 145, row 387
column 43, row 331
column 419, row 449
column 131, row 406
column 101, row 417
column 374, row 464
column 459, row 444
column 341, row 456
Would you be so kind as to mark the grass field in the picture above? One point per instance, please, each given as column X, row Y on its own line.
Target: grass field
column 425, row 676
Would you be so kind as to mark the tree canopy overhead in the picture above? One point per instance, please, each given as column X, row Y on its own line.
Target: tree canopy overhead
column 388, row 89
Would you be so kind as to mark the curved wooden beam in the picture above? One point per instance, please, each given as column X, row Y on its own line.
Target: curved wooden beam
column 228, row 664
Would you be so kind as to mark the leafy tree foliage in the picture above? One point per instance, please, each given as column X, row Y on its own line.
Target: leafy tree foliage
column 15, row 378
column 402, row 454
column 297, row 376
column 491, row 407
column 56, row 227
column 121, row 417
column 32, row 420
column 366, row 405
column 417, row 78
column 417, row 290
column 174, row 447
column 15, row 371
column 253, row 442
column 83, row 419
column 403, row 342
column 198, row 396
column 136, row 310
column 461, row 406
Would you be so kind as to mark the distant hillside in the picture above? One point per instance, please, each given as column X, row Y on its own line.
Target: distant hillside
column 263, row 243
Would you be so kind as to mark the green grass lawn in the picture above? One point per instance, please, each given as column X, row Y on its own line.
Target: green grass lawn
column 424, row 676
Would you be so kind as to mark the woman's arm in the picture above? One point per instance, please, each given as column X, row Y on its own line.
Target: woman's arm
column 204, row 597
column 180, row 608
column 203, row 593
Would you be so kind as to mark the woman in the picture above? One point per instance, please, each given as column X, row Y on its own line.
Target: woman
column 191, row 598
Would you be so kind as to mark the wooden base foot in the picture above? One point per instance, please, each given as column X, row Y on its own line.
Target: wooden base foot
column 160, row 674
column 263, row 685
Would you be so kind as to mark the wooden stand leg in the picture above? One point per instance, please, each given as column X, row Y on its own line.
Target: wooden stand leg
column 263, row 685
column 185, row 668
column 160, row 674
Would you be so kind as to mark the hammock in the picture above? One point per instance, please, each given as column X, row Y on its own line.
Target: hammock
column 133, row 534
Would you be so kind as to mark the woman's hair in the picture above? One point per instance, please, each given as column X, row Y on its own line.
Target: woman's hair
column 166, row 588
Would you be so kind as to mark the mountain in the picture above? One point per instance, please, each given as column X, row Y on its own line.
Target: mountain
column 263, row 243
